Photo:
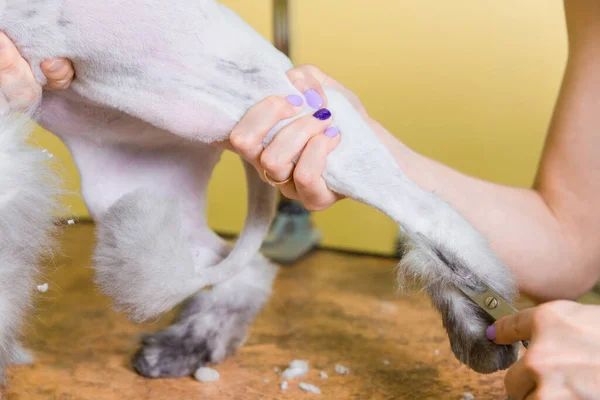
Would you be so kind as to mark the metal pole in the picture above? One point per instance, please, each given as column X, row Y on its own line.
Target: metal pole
column 281, row 26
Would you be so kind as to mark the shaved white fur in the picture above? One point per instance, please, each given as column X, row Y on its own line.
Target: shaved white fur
column 157, row 83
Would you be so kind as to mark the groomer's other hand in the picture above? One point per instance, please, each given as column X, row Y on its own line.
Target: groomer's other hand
column 563, row 358
column 311, row 136
column 18, row 84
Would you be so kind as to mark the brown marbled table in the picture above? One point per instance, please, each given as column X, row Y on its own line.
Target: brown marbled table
column 329, row 308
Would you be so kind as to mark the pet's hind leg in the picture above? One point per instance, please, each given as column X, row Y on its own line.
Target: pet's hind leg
column 150, row 209
column 444, row 250
column 211, row 326
column 148, row 205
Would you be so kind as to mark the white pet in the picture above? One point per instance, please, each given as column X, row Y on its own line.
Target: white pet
column 158, row 82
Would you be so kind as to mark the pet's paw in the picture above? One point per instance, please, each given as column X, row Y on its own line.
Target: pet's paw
column 441, row 264
column 202, row 335
column 466, row 324
column 174, row 352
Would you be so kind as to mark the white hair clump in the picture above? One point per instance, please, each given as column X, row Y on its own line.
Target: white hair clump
column 28, row 192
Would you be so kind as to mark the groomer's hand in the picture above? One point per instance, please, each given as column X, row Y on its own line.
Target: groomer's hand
column 19, row 87
column 311, row 136
column 563, row 359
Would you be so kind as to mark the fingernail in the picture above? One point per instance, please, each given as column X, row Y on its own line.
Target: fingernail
column 54, row 65
column 322, row 114
column 295, row 100
column 313, row 99
column 490, row 332
column 332, row 131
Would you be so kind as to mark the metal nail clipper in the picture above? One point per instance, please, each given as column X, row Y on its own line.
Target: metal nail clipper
column 494, row 304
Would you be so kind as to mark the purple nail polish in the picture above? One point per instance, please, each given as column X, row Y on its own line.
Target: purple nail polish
column 313, row 99
column 490, row 332
column 322, row 114
column 332, row 131
column 295, row 100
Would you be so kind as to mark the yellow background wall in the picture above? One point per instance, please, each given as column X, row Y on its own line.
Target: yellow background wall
column 471, row 83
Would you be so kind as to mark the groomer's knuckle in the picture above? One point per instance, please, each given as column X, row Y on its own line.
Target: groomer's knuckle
column 304, row 177
column 322, row 201
column 308, row 200
column 307, row 132
column 241, row 140
column 276, row 104
column 269, row 161
column 544, row 314
column 310, row 206
column 535, row 361
column 316, row 205
column 281, row 108
column 236, row 138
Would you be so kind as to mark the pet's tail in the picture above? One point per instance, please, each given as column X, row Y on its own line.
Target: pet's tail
column 145, row 261
column 261, row 207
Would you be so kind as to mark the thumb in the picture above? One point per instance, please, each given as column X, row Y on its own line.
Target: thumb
column 59, row 72
column 512, row 329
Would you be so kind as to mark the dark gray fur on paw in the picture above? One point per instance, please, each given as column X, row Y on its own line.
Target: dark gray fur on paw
column 466, row 324
column 204, row 332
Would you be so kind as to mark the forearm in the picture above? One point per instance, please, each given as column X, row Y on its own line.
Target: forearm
column 520, row 227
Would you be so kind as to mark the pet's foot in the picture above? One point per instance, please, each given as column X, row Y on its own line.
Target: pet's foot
column 174, row 352
column 466, row 324
column 201, row 335
column 442, row 272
